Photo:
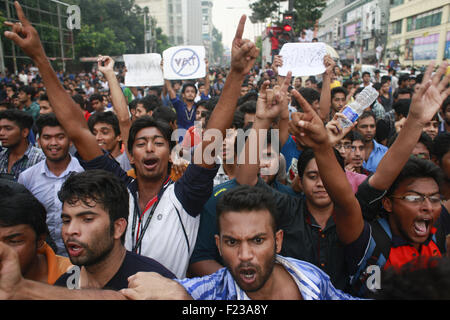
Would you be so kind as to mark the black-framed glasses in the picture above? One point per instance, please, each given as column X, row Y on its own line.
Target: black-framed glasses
column 420, row 198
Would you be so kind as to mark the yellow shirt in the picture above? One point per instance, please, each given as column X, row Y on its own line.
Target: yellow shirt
column 57, row 265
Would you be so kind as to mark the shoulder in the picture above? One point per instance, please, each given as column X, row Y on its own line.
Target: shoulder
column 145, row 264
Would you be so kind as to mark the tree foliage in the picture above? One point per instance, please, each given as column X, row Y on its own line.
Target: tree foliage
column 306, row 12
column 217, row 46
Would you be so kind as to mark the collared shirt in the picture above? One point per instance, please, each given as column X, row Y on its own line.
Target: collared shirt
column 375, row 157
column 44, row 185
column 31, row 156
column 172, row 231
column 303, row 238
column 33, row 110
column 185, row 118
column 312, row 283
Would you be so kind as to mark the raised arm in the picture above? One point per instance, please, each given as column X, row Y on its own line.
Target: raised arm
column 309, row 129
column 268, row 107
column 67, row 112
column 243, row 57
column 424, row 105
column 325, row 95
column 120, row 105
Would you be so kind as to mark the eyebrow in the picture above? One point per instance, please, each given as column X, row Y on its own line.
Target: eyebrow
column 253, row 237
column 11, row 236
column 146, row 138
column 80, row 214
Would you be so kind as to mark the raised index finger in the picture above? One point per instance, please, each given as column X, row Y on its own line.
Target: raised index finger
column 240, row 28
column 20, row 14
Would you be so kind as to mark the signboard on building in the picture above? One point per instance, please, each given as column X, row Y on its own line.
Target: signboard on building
column 426, row 48
column 447, row 47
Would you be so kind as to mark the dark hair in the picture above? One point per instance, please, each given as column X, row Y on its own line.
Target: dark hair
column 249, row 96
column 157, row 89
column 309, row 94
column 308, row 154
column 248, row 107
column 96, row 96
column 7, row 104
column 133, row 104
column 150, row 102
column 441, row 145
column 402, row 107
column 47, row 120
column 400, row 91
column 385, row 79
column 28, row 90
column 78, row 98
column 164, row 113
column 238, row 120
column 336, row 90
column 104, row 117
column 354, row 136
column 367, row 114
column 417, row 168
column 424, row 279
column 146, row 122
column 365, row 72
column 22, row 119
column 19, row 206
column 188, row 84
column 445, row 104
column 403, row 78
column 100, row 186
column 347, row 83
column 377, row 86
column 426, row 140
column 245, row 198
column 43, row 97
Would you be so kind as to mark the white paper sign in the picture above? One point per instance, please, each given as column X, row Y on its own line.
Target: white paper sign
column 143, row 70
column 182, row 63
column 303, row 59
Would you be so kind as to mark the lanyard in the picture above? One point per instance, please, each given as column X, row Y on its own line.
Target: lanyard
column 150, row 207
column 189, row 114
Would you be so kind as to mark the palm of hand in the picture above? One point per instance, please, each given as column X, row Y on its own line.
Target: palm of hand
column 426, row 106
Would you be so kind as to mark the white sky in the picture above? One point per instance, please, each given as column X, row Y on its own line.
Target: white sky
column 226, row 15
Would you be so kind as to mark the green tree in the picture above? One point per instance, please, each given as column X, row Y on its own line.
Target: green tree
column 306, row 12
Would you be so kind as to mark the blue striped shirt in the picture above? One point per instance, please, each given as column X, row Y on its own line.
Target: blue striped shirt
column 313, row 283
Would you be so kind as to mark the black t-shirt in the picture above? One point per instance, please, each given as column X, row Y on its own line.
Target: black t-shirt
column 131, row 265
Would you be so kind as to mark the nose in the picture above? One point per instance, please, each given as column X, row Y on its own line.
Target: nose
column 245, row 252
column 71, row 228
column 426, row 205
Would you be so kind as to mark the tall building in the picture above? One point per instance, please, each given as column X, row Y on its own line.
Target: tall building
column 207, row 27
column 178, row 19
column 419, row 31
column 355, row 28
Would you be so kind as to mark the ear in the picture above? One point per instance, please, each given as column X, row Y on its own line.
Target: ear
column 120, row 226
column 25, row 132
column 41, row 241
column 217, row 238
column 387, row 204
column 279, row 240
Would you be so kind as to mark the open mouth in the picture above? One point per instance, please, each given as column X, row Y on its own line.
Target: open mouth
column 422, row 227
column 248, row 275
column 150, row 164
column 74, row 250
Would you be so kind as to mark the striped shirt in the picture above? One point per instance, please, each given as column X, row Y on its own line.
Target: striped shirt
column 313, row 283
column 31, row 156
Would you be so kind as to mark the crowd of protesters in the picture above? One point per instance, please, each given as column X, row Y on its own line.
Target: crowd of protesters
column 105, row 188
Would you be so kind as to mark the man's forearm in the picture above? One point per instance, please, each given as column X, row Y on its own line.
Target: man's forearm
column 33, row 290
column 325, row 98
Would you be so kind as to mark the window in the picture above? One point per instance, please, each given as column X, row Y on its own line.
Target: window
column 395, row 27
column 395, row 3
column 425, row 20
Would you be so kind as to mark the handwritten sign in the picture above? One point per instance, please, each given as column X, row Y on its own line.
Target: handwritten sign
column 303, row 59
column 182, row 63
column 143, row 70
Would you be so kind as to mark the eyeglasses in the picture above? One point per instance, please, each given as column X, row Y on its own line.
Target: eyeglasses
column 420, row 198
column 345, row 146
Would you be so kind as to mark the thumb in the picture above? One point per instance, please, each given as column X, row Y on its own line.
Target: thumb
column 129, row 294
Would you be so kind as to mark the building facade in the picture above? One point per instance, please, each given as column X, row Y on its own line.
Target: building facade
column 207, row 27
column 180, row 20
column 355, row 28
column 419, row 31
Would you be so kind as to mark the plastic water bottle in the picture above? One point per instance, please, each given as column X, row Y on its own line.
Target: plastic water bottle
column 352, row 111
